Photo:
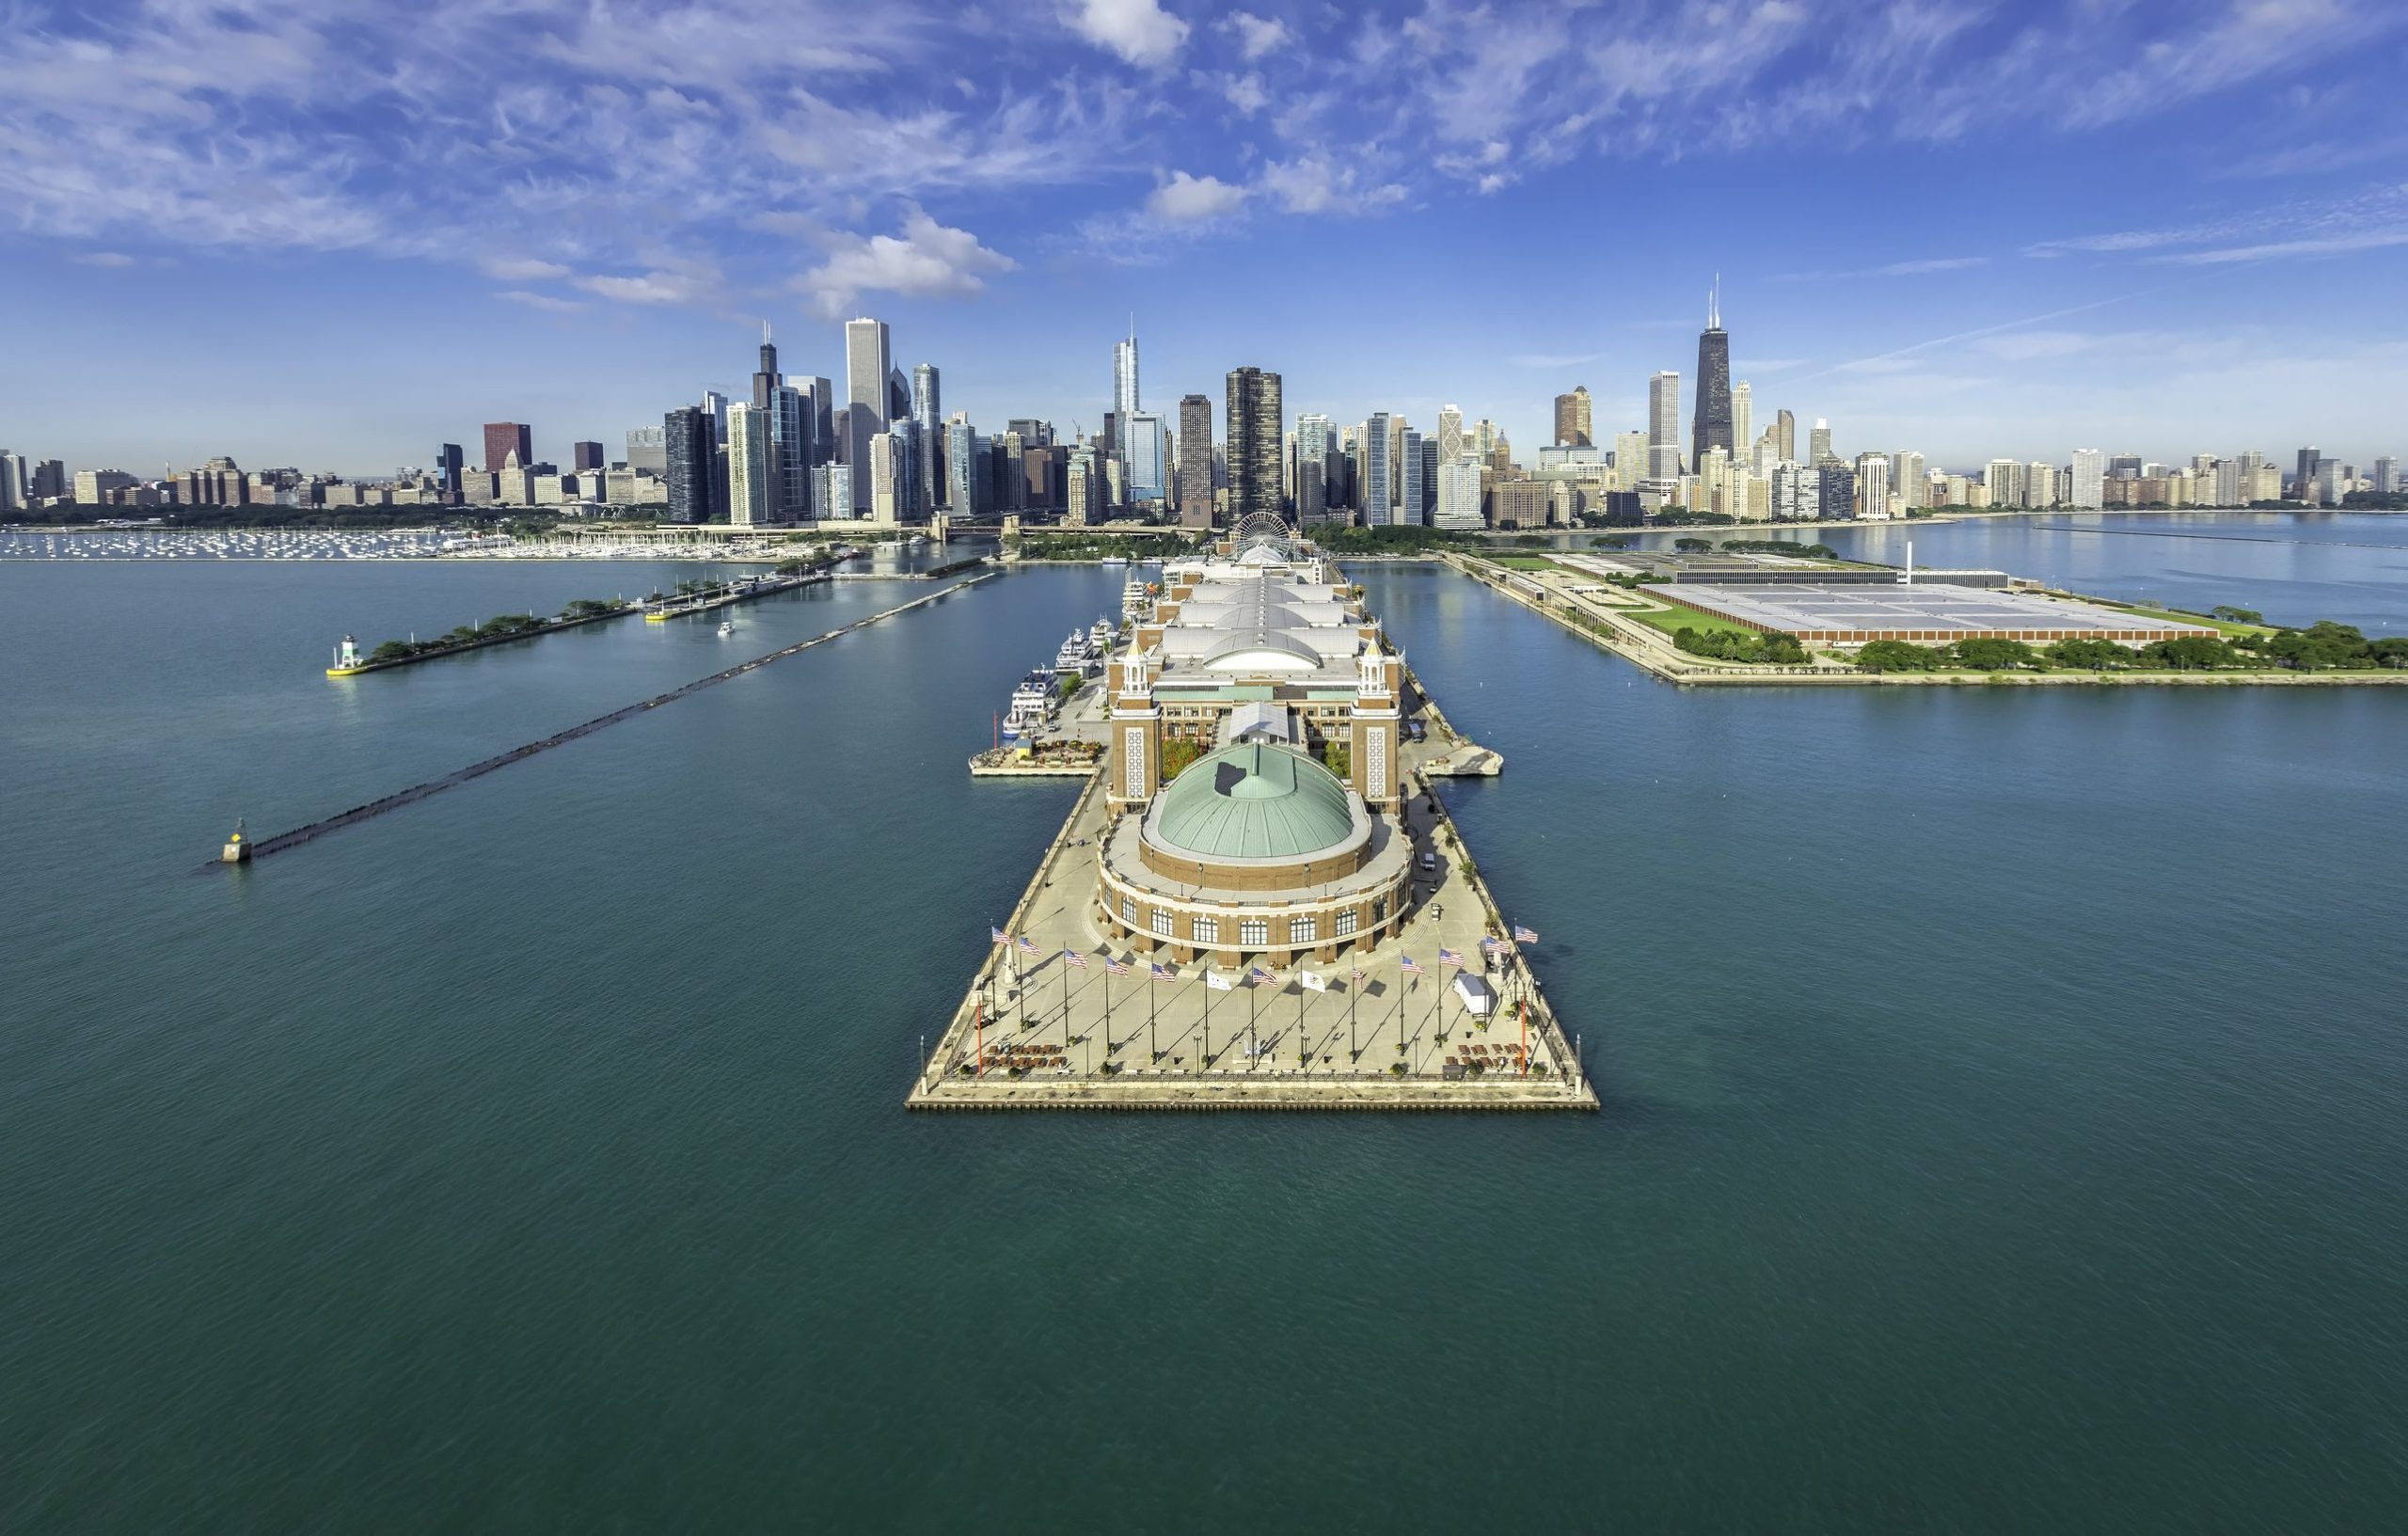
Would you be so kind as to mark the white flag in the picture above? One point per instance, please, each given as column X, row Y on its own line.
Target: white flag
column 1218, row 982
column 1311, row 982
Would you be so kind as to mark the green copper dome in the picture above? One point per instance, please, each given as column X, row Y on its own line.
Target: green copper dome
column 1253, row 801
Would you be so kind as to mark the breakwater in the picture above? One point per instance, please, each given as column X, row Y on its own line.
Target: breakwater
column 280, row 842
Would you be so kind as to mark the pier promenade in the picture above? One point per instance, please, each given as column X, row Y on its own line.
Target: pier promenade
column 1055, row 1033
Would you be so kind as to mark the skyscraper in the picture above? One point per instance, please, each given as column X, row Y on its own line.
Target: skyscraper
column 961, row 466
column 821, row 397
column 1451, row 432
column 2308, row 459
column 1145, row 447
column 1711, row 426
column 889, row 489
column 1664, row 428
column 2089, row 477
column 1409, row 496
column 503, row 438
column 866, row 365
column 793, row 444
column 692, row 443
column 14, row 486
column 1784, row 428
column 1743, row 419
column 648, row 449
column 448, row 471
column 752, row 469
column 1818, row 442
column 766, row 378
column 1124, row 375
column 1195, row 462
column 1572, row 418
column 928, row 409
column 1252, row 421
column 1378, row 473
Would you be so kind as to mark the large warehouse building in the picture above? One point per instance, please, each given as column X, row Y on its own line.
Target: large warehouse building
column 1926, row 615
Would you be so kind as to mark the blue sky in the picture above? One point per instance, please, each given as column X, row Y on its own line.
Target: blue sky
column 333, row 233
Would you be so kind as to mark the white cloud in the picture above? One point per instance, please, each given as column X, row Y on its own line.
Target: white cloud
column 540, row 301
column 1255, row 35
column 1313, row 183
column 658, row 286
column 1192, row 199
column 927, row 259
column 1244, row 91
column 1139, row 31
column 104, row 259
column 519, row 270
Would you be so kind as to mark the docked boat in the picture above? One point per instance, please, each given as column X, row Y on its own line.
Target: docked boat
column 1077, row 654
column 1031, row 705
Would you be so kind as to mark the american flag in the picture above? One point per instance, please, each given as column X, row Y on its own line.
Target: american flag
column 1523, row 936
column 1447, row 956
column 1118, row 968
column 1410, row 969
column 1071, row 956
column 1161, row 972
column 1261, row 978
column 996, row 935
column 1028, row 943
column 1354, row 972
column 1491, row 945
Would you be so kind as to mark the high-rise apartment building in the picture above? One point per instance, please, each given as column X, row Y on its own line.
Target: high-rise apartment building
column 1818, row 443
column 1784, row 428
column 1378, row 472
column 1196, row 460
column 2004, row 480
column 793, row 446
column 1459, row 494
column 962, row 498
column 866, row 365
column 928, row 409
column 1873, row 486
column 1630, row 460
column 2039, row 484
column 1315, row 442
column 2089, row 478
column 503, row 438
column 14, row 485
column 889, row 478
column 691, row 445
column 1145, row 450
column 1573, row 421
column 1664, row 428
column 751, row 467
column 1409, row 496
column 2386, row 477
column 1743, row 419
column 1252, row 420
column 1711, row 426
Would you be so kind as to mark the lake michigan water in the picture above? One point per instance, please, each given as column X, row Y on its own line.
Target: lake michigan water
column 2004, row 1098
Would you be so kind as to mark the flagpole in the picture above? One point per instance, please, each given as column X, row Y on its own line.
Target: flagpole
column 1207, row 1059
column 1153, row 1009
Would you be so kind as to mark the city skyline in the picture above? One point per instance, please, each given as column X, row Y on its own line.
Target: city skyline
column 574, row 240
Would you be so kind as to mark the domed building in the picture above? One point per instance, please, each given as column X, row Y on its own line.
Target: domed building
column 1234, row 837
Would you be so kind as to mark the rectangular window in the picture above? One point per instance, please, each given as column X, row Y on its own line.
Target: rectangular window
column 1161, row 923
column 1128, row 908
column 1345, row 924
column 1253, row 932
column 1302, row 930
column 1207, row 930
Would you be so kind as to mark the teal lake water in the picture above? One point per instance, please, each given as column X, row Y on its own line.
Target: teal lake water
column 2003, row 1119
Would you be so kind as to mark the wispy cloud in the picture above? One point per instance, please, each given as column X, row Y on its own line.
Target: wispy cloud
column 549, row 302
column 1896, row 269
column 103, row 258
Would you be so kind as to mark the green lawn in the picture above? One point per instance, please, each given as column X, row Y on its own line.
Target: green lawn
column 1673, row 619
column 2224, row 626
column 1524, row 563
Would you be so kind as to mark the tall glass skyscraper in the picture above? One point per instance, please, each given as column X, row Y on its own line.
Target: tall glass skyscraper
column 1253, row 422
column 1711, row 426
column 866, row 365
column 1377, row 473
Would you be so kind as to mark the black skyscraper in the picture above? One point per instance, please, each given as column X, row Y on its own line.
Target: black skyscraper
column 694, row 464
column 1710, row 426
column 448, row 468
column 1252, row 421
